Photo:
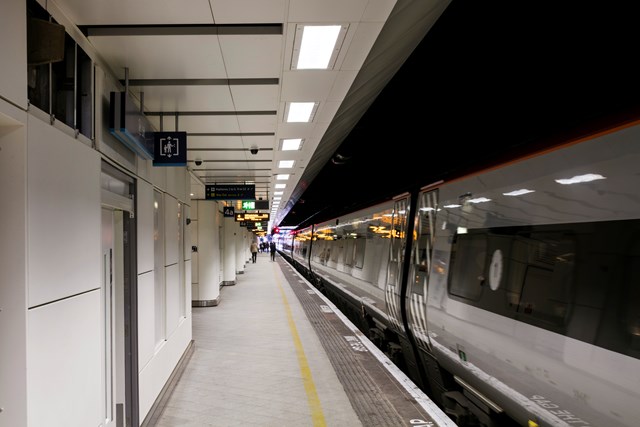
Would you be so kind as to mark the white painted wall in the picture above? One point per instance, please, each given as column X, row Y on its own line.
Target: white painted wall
column 13, row 51
column 63, row 211
column 64, row 362
column 146, row 319
column 13, row 292
column 50, row 225
column 144, row 223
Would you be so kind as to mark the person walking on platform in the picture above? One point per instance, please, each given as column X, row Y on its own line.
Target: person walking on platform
column 272, row 247
column 254, row 251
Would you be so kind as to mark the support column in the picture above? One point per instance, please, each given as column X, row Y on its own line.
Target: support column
column 206, row 261
column 241, row 248
column 229, row 252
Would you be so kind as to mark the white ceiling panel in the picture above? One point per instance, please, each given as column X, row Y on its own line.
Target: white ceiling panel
column 163, row 57
column 341, row 85
column 255, row 97
column 307, row 85
column 248, row 11
column 266, row 123
column 338, row 11
column 186, row 98
column 262, row 142
column 183, row 43
column 327, row 112
column 378, row 10
column 363, row 39
column 201, row 124
column 100, row 12
column 252, row 56
column 195, row 142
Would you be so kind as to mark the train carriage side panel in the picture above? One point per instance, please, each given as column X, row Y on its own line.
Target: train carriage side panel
column 532, row 294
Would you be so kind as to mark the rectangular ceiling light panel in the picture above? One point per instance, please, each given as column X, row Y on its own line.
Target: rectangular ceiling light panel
column 316, row 47
column 291, row 144
column 300, row 112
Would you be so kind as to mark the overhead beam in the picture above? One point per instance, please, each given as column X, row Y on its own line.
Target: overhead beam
column 181, row 30
column 228, row 149
column 211, row 113
column 202, row 82
column 231, row 134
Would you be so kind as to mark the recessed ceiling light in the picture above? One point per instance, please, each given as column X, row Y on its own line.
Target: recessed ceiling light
column 281, row 185
column 291, row 144
column 285, row 164
column 317, row 46
column 282, row 176
column 278, row 193
column 300, row 112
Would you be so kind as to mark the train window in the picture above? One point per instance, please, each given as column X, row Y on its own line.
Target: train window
column 359, row 252
column 547, row 273
column 468, row 259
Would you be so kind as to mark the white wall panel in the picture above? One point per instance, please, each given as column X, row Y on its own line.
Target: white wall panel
column 63, row 207
column 144, row 168
column 172, row 274
column 159, row 177
column 186, row 250
column 64, row 362
column 187, row 288
column 144, row 217
column 146, row 319
column 13, row 48
column 13, row 298
column 156, row 373
column 176, row 178
column 171, row 233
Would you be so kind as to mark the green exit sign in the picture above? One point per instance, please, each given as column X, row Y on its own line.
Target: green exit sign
column 248, row 205
column 251, row 205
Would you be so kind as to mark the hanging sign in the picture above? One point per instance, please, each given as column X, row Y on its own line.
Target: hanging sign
column 170, row 149
column 230, row 192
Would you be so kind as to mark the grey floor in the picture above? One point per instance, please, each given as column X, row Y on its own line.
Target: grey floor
column 257, row 361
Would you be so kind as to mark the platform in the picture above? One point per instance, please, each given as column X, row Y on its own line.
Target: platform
column 274, row 352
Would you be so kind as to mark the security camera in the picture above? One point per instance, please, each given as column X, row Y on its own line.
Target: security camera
column 198, row 162
column 254, row 150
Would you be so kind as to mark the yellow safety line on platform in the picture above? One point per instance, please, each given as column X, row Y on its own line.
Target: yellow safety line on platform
column 310, row 388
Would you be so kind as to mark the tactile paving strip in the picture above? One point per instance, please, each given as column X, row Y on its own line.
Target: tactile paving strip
column 352, row 362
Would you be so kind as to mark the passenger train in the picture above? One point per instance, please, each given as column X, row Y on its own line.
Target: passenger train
column 511, row 295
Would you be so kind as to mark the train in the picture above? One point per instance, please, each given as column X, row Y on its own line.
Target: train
column 510, row 295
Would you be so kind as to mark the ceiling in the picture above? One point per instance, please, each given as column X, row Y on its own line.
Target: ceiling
column 490, row 81
column 221, row 70
column 421, row 90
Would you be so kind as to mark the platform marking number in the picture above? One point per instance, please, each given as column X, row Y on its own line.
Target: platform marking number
column 355, row 343
column 326, row 309
column 311, row 291
column 421, row 423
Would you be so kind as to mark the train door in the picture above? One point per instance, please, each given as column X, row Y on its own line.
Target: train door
column 421, row 251
column 396, row 258
column 119, row 405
